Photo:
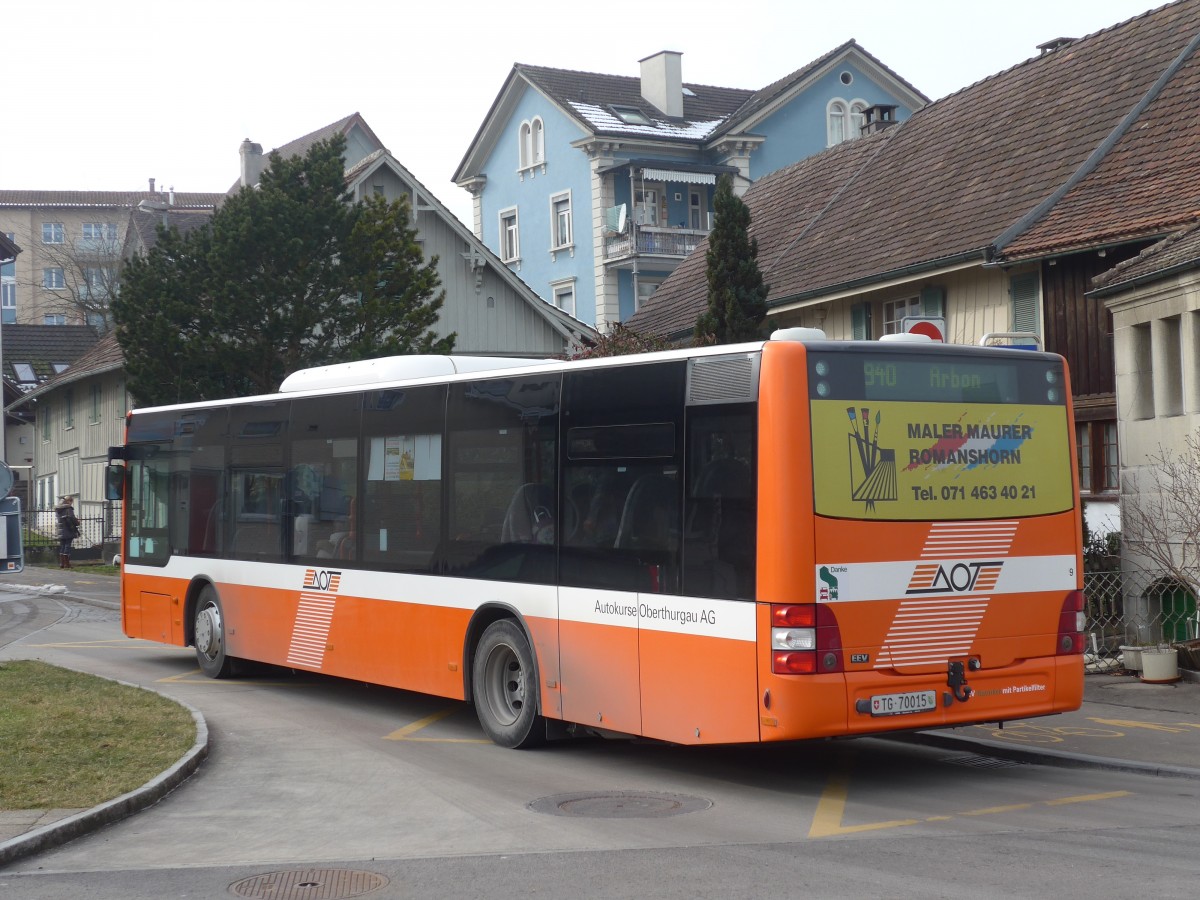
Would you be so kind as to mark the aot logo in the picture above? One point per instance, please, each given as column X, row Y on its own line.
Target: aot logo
column 959, row 578
column 322, row 580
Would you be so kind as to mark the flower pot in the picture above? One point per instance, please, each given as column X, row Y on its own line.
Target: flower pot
column 1131, row 658
column 1159, row 665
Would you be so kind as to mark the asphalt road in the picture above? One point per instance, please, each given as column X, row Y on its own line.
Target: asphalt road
column 309, row 777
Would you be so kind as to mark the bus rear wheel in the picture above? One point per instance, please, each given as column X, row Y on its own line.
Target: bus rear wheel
column 504, row 684
column 209, row 634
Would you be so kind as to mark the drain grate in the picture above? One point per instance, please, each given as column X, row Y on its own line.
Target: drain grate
column 620, row 805
column 974, row 761
column 309, row 884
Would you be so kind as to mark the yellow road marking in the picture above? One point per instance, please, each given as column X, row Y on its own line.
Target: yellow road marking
column 1176, row 728
column 1087, row 798
column 992, row 810
column 831, row 807
column 406, row 733
column 827, row 820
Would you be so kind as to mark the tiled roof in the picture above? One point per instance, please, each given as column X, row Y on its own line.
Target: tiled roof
column 302, row 145
column 104, row 199
column 960, row 172
column 589, row 96
column 41, row 346
column 145, row 223
column 104, row 356
column 1180, row 250
column 8, row 249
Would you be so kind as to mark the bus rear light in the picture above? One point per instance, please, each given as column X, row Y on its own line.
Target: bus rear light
column 1071, row 623
column 805, row 639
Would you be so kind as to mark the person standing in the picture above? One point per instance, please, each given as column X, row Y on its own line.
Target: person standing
column 68, row 529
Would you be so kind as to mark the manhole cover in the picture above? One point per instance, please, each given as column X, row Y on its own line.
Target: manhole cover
column 309, row 884
column 620, row 805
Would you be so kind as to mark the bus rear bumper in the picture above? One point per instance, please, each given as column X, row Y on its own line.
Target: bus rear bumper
column 861, row 703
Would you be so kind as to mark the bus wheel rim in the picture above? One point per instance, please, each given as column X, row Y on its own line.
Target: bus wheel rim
column 208, row 632
column 505, row 684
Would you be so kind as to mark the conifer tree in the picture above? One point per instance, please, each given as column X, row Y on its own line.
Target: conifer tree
column 285, row 276
column 737, row 296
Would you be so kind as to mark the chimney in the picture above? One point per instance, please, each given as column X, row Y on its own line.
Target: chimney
column 1055, row 44
column 152, row 185
column 878, row 117
column 252, row 163
column 662, row 82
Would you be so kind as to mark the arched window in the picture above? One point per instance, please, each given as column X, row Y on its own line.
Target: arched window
column 857, row 119
column 537, row 142
column 836, row 117
column 525, row 138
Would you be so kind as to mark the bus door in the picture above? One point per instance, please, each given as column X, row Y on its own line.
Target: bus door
column 697, row 628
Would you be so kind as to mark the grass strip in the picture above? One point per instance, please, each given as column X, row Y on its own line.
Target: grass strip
column 70, row 740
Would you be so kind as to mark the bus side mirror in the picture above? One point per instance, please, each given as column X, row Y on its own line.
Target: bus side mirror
column 114, row 482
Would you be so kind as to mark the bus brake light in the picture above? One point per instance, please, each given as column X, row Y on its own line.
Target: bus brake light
column 1071, row 623
column 805, row 639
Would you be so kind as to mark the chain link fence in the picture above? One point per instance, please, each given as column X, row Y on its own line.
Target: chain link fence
column 1129, row 607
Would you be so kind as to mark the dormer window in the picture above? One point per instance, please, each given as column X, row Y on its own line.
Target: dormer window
column 631, row 115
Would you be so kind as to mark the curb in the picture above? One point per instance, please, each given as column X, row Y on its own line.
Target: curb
column 58, row 833
column 1048, row 757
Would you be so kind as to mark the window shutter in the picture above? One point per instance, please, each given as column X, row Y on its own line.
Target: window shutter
column 933, row 300
column 1023, row 289
column 860, row 321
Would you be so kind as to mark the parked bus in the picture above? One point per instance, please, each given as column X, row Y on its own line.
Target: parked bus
column 796, row 538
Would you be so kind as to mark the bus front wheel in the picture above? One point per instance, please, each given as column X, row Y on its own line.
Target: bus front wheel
column 210, row 636
column 504, row 683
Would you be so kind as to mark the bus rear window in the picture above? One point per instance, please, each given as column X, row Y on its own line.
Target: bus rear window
column 1012, row 376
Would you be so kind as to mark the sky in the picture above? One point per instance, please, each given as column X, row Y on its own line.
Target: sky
column 105, row 96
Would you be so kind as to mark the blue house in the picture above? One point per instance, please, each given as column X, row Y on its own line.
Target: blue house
column 595, row 187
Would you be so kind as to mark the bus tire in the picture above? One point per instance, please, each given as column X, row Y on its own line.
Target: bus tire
column 504, row 684
column 209, row 634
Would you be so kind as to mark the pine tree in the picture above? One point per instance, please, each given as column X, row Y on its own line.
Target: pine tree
column 737, row 296
column 285, row 276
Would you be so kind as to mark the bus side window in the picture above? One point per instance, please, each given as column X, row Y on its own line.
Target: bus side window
column 622, row 464
column 503, row 480
column 720, row 522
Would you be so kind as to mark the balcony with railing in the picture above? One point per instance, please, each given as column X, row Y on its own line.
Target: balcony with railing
column 650, row 240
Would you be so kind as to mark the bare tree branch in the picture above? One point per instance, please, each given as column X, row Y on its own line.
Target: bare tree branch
column 1160, row 512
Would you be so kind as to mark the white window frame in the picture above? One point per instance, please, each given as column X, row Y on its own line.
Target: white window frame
column 8, row 300
column 559, row 290
column 538, row 138
column 53, row 233
column 51, row 283
column 835, row 121
column 524, row 146
column 531, row 146
column 99, row 232
column 856, row 118
column 844, row 119
column 510, row 235
column 559, row 214
column 894, row 312
column 640, row 207
column 642, row 283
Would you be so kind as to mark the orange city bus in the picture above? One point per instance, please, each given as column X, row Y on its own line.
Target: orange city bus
column 795, row 538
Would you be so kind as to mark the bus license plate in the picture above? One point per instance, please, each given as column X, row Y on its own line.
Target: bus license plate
column 902, row 704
